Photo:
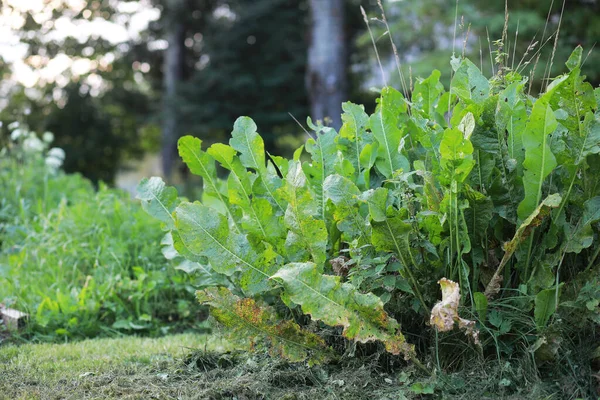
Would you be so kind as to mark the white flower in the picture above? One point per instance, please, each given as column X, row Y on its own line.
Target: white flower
column 53, row 163
column 16, row 134
column 57, row 152
column 33, row 145
column 13, row 125
column 48, row 137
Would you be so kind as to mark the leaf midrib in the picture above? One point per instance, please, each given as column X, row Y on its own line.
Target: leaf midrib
column 260, row 171
column 208, row 177
column 223, row 247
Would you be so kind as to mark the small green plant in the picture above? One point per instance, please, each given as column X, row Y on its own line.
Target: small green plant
column 482, row 185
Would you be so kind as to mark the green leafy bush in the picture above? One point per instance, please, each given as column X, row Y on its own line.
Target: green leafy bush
column 483, row 185
column 82, row 262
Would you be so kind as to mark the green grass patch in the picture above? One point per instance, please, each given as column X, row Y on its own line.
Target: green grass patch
column 130, row 367
column 190, row 366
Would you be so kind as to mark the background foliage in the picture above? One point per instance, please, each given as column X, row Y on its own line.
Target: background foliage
column 82, row 262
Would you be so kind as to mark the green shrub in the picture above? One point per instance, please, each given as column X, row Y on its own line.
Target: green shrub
column 82, row 262
column 483, row 185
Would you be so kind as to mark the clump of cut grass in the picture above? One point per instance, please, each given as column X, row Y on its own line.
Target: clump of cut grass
column 190, row 366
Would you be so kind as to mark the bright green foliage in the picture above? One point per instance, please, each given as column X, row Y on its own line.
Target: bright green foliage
column 384, row 125
column 202, row 164
column 249, row 144
column 456, row 152
column 322, row 151
column 355, row 142
column 469, row 84
column 427, row 92
column 259, row 217
column 539, row 159
column 206, row 234
column 158, row 200
column 251, row 148
column 343, row 193
column 326, row 299
column 482, row 185
column 307, row 235
column 85, row 262
column 511, row 117
column 254, row 324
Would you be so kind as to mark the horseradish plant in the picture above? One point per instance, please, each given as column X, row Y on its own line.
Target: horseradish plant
column 482, row 185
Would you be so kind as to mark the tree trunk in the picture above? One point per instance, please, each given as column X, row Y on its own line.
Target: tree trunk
column 326, row 74
column 172, row 77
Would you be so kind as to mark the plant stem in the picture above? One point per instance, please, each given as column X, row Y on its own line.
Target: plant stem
column 437, row 353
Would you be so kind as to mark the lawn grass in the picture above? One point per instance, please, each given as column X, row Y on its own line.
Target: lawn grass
column 194, row 366
column 123, row 368
column 183, row 366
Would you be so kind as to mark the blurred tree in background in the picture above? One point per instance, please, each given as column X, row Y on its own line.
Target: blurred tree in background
column 87, row 94
column 119, row 78
column 252, row 62
column 326, row 79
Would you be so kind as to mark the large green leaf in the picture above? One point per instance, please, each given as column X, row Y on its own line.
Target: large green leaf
column 203, row 164
column 205, row 233
column 252, row 325
column 479, row 214
column 344, row 194
column 326, row 299
column 545, row 306
column 353, row 138
column 391, row 233
column 251, row 148
column 456, row 153
column 323, row 151
column 469, row 84
column 306, row 234
column 368, row 157
column 511, row 117
column 158, row 200
column 427, row 92
column 259, row 217
column 591, row 130
column 539, row 159
column 377, row 202
column 574, row 60
column 384, row 125
column 574, row 97
column 249, row 144
column 174, row 249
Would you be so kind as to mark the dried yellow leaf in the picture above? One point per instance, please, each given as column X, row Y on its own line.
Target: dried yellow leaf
column 445, row 313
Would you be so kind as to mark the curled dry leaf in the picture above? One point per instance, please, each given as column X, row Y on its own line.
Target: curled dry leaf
column 445, row 313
